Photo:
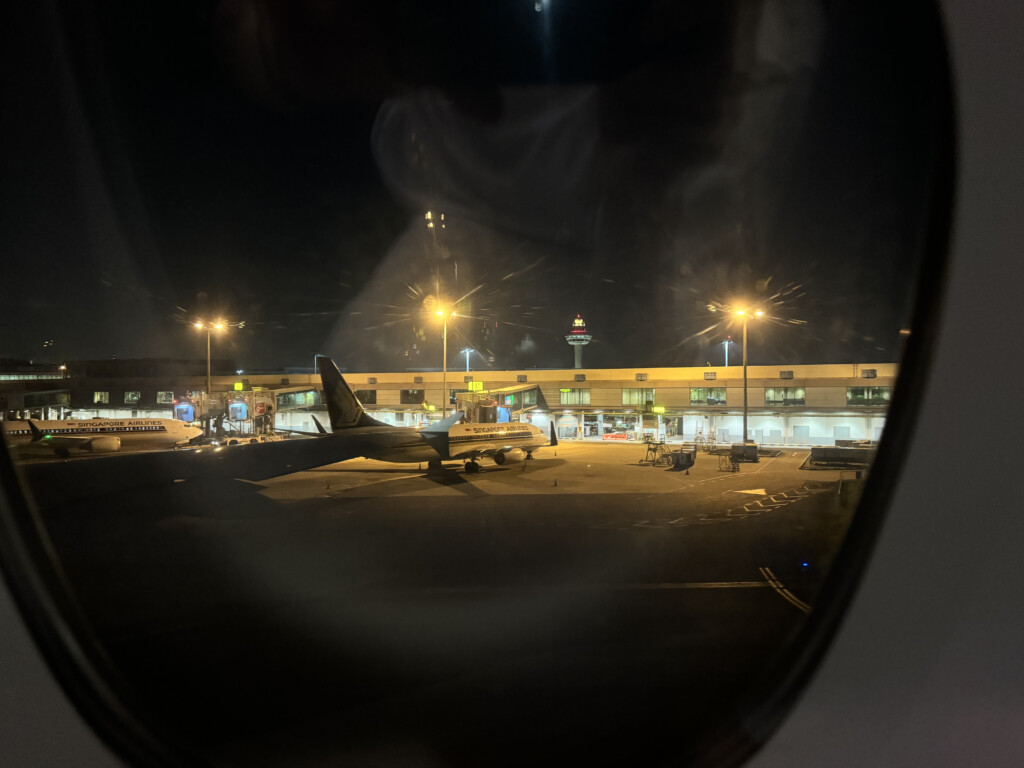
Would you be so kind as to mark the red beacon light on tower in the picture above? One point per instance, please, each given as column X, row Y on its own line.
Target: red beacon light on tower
column 578, row 338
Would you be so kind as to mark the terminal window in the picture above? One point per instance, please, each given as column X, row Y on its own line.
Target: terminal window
column 132, row 398
column 707, row 396
column 411, row 397
column 101, row 397
column 165, row 397
column 366, row 396
column 637, row 396
column 784, row 396
column 868, row 395
column 574, row 397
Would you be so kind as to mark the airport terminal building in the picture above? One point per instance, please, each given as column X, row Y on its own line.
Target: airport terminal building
column 787, row 405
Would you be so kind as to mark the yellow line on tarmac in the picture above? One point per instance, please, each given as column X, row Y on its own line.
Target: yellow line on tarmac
column 786, row 594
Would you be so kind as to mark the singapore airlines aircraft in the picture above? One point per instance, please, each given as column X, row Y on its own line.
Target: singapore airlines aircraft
column 97, row 435
column 447, row 440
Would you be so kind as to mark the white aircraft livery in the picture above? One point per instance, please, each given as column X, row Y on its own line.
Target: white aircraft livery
column 446, row 440
column 97, row 435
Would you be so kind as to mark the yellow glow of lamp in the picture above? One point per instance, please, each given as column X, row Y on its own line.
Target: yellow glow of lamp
column 658, row 409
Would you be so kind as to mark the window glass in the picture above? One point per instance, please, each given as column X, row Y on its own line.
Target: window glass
column 731, row 195
column 574, row 397
column 637, row 396
column 411, row 397
column 868, row 395
column 784, row 396
column 367, row 396
column 707, row 395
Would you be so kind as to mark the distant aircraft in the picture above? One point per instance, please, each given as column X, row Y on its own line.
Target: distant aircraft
column 447, row 440
column 97, row 435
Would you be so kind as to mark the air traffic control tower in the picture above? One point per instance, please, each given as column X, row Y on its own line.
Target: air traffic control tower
column 578, row 338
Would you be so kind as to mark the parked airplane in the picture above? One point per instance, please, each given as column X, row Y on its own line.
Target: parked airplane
column 448, row 440
column 97, row 435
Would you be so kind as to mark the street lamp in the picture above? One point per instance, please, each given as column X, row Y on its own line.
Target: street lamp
column 744, row 315
column 444, row 314
column 211, row 327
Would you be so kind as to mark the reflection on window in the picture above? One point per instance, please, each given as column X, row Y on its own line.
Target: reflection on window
column 101, row 397
column 784, row 396
column 707, row 396
column 574, row 397
column 165, row 397
column 637, row 396
column 132, row 398
column 411, row 397
column 366, row 396
column 868, row 395
column 530, row 397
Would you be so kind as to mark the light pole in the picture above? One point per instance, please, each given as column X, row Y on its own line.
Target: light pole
column 725, row 346
column 210, row 327
column 745, row 316
column 467, row 352
column 444, row 314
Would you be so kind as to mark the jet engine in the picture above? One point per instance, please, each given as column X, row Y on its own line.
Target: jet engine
column 509, row 456
column 105, row 444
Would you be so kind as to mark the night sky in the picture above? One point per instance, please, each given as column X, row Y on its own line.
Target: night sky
column 633, row 162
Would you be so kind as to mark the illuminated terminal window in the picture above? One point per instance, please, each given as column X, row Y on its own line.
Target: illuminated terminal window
column 298, row 399
column 101, row 397
column 868, row 395
column 530, row 397
column 785, row 374
column 707, row 396
column 132, row 398
column 637, row 396
column 574, row 397
column 165, row 397
column 784, row 396
column 869, row 373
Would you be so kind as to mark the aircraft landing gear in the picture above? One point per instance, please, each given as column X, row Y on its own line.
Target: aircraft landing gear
column 472, row 468
column 434, row 466
column 529, row 455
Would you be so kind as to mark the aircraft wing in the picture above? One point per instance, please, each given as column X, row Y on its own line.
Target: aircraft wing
column 57, row 482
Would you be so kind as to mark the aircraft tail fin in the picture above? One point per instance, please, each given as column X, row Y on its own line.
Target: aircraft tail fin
column 37, row 435
column 436, row 434
column 319, row 426
column 344, row 408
